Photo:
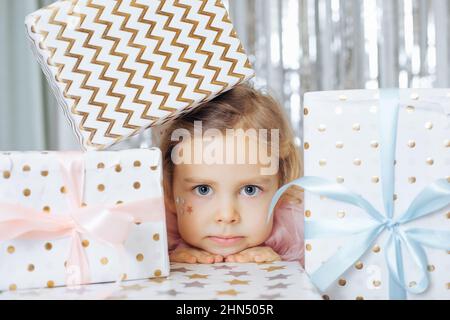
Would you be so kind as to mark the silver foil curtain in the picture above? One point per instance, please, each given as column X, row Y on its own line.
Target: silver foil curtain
column 306, row 45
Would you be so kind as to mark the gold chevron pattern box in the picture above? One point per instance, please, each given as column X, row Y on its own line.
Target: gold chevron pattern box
column 81, row 217
column 118, row 67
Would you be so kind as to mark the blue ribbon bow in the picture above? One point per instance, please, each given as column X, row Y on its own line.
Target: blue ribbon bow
column 432, row 198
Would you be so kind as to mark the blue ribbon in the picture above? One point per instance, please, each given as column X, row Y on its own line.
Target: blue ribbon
column 432, row 198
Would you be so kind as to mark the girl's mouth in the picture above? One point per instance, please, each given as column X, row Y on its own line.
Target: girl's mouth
column 225, row 240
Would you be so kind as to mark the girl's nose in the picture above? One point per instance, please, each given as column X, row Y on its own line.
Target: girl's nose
column 228, row 214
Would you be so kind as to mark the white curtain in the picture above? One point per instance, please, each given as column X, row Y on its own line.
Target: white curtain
column 294, row 45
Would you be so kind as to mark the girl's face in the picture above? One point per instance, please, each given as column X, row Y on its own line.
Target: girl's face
column 222, row 208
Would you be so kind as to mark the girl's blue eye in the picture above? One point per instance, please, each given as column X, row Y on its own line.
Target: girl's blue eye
column 203, row 190
column 250, row 191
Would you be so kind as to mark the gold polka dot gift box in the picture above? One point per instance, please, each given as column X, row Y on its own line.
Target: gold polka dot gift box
column 70, row 218
column 377, row 193
column 119, row 67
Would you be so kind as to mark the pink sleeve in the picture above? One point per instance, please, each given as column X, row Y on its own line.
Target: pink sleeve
column 287, row 234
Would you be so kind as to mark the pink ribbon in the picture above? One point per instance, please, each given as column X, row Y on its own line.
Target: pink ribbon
column 110, row 224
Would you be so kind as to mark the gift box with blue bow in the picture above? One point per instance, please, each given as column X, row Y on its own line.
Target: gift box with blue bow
column 377, row 193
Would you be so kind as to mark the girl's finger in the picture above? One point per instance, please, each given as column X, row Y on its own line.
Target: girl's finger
column 206, row 259
column 203, row 257
column 230, row 258
column 243, row 257
column 186, row 257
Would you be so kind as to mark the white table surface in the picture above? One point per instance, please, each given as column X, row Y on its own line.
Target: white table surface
column 246, row 281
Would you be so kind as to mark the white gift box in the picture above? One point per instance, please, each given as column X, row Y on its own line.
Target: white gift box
column 111, row 182
column 342, row 144
column 118, row 67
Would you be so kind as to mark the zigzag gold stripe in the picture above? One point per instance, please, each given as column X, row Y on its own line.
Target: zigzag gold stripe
column 233, row 34
column 194, row 24
column 41, row 44
column 105, row 65
column 226, row 46
column 139, row 89
column 192, row 63
column 68, row 83
column 168, row 55
column 148, row 63
column 147, row 75
column 200, row 49
column 157, row 50
column 86, row 74
column 129, row 83
column 210, row 54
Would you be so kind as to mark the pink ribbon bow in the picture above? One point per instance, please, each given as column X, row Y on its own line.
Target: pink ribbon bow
column 110, row 224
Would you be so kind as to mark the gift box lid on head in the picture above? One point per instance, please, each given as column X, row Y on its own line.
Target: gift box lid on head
column 119, row 67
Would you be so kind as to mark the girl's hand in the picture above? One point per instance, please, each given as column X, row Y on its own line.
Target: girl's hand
column 256, row 254
column 192, row 255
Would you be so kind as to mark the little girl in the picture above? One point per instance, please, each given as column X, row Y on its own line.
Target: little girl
column 217, row 211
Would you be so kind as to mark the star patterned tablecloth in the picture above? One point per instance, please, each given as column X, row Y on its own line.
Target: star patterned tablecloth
column 222, row 281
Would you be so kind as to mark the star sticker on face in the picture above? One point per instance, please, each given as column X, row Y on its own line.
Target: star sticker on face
column 189, row 209
column 179, row 200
